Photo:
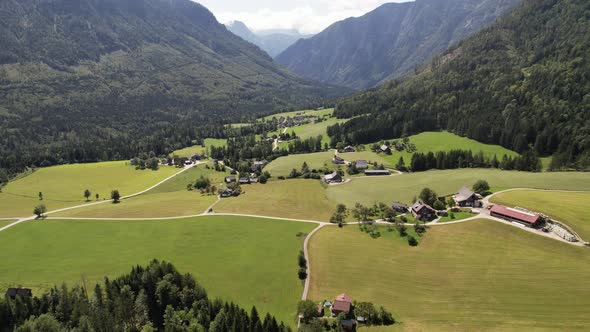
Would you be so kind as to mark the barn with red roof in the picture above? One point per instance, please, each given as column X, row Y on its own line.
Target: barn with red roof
column 526, row 218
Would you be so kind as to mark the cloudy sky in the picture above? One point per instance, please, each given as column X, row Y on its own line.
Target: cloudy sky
column 307, row 16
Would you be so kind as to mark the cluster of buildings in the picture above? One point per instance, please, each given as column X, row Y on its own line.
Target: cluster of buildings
column 341, row 305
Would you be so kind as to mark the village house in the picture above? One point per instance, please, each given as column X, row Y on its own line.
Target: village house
column 258, row 165
column 378, row 172
column 467, row 198
column 224, row 193
column 196, row 157
column 22, row 292
column 244, row 180
column 230, row 179
column 385, row 149
column 349, row 149
column 522, row 217
column 362, row 165
column 338, row 161
column 399, row 207
column 422, row 211
column 333, row 178
column 342, row 304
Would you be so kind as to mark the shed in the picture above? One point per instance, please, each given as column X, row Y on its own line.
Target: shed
column 362, row 165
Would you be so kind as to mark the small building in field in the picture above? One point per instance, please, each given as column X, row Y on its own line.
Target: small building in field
column 385, row 149
column 333, row 178
column 244, row 180
column 423, row 211
column 224, row 193
column 522, row 217
column 399, row 207
column 230, row 179
column 349, row 149
column 467, row 198
column 22, row 292
column 188, row 162
column 338, row 161
column 342, row 304
column 362, row 165
column 377, row 172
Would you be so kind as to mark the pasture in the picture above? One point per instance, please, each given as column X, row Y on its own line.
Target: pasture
column 319, row 161
column 474, row 276
column 298, row 199
column 315, row 113
column 64, row 186
column 246, row 260
column 445, row 141
column 404, row 188
column 199, row 149
column 311, row 130
column 6, row 222
column 569, row 208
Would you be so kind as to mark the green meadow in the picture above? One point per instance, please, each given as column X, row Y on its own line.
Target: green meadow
column 246, row 260
column 404, row 188
column 475, row 276
column 569, row 208
column 6, row 222
column 199, row 149
column 64, row 186
column 320, row 113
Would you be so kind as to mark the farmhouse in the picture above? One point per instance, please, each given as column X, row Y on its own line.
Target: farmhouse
column 467, row 198
column 385, row 149
column 349, row 149
column 196, row 157
column 423, row 211
column 230, row 179
column 224, row 193
column 244, row 180
column 333, row 178
column 399, row 207
column 22, row 292
column 338, row 161
column 378, row 172
column 258, row 165
column 343, row 303
column 362, row 165
column 526, row 218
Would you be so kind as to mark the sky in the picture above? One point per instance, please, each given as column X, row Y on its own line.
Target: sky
column 306, row 16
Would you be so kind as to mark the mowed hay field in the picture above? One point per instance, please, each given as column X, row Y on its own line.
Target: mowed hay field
column 6, row 222
column 320, row 113
column 446, row 141
column 297, row 199
column 404, row 188
column 246, row 260
column 321, row 160
column 64, row 186
column 170, row 199
column 475, row 276
column 570, row 208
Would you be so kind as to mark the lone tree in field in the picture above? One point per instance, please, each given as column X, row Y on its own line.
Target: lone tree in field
column 97, row 196
column 428, row 196
column 87, row 194
column 481, row 187
column 40, row 210
column 40, row 196
column 115, row 196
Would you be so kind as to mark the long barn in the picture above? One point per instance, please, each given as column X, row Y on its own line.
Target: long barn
column 528, row 219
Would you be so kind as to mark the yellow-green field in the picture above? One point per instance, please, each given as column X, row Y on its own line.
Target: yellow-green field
column 569, row 208
column 298, row 199
column 171, row 199
column 310, row 130
column 321, row 160
column 199, row 149
column 475, row 276
column 245, row 260
column 404, row 188
column 6, row 222
column 319, row 113
column 64, row 186
column 445, row 141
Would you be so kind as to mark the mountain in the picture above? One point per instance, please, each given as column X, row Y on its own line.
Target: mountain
column 272, row 42
column 84, row 80
column 523, row 83
column 389, row 41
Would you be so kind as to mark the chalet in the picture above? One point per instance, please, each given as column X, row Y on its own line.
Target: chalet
column 349, row 149
column 22, row 292
column 253, row 180
column 422, row 211
column 362, row 165
column 385, row 149
column 467, row 198
column 523, row 217
column 188, row 162
column 378, row 172
column 333, row 178
column 338, row 161
column 244, row 180
column 343, row 303
column 196, row 157
column 224, row 193
column 399, row 207
column 230, row 179
column 258, row 165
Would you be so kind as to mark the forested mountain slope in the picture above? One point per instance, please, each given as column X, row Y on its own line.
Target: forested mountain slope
column 524, row 83
column 82, row 80
column 389, row 41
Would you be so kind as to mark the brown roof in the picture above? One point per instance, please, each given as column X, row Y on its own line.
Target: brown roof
column 344, row 298
column 527, row 217
column 419, row 206
column 341, row 306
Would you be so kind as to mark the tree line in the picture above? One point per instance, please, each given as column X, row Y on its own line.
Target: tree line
column 455, row 159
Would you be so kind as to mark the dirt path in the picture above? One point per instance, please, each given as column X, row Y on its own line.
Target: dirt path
column 306, row 254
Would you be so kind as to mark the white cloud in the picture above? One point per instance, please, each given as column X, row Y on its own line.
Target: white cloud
column 307, row 16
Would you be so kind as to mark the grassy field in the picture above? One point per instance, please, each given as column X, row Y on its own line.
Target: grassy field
column 6, row 222
column 299, row 199
column 245, row 260
column 403, row 188
column 64, row 186
column 474, row 276
column 458, row 216
column 192, row 150
column 170, row 199
column 445, row 141
column 310, row 130
column 322, row 160
column 569, row 208
column 320, row 113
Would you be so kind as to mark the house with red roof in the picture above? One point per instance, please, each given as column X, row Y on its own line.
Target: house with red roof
column 523, row 217
column 342, row 303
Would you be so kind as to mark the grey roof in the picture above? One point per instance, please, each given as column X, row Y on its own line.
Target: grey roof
column 361, row 164
column 420, row 205
column 331, row 176
column 464, row 194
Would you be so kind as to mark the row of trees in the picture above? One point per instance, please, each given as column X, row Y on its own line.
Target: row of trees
column 152, row 298
column 455, row 159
